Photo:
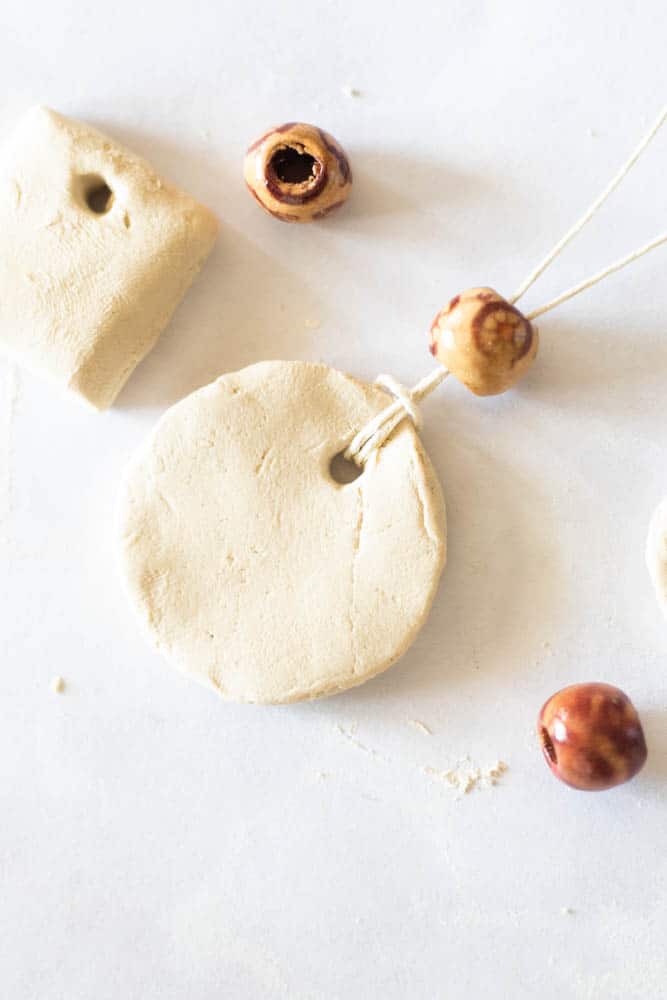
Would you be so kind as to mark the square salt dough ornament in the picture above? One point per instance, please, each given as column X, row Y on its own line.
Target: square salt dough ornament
column 96, row 252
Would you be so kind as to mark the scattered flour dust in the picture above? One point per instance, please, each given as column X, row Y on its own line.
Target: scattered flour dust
column 349, row 735
column 421, row 726
column 465, row 778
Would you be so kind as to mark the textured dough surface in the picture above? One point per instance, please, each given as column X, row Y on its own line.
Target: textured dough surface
column 656, row 554
column 85, row 296
column 252, row 569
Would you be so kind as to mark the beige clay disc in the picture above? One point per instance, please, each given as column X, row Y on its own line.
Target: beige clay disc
column 256, row 572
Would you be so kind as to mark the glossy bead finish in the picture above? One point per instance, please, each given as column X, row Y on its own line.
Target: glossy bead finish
column 484, row 341
column 591, row 736
column 297, row 172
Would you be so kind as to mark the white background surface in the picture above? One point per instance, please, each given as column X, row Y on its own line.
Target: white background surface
column 157, row 843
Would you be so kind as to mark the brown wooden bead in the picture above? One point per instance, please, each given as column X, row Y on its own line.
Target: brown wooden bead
column 591, row 736
column 297, row 172
column 484, row 341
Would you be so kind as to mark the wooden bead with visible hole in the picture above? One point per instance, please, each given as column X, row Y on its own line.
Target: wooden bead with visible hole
column 484, row 341
column 297, row 172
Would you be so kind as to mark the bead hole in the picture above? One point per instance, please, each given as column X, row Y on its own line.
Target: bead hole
column 96, row 194
column 293, row 166
column 343, row 470
column 548, row 749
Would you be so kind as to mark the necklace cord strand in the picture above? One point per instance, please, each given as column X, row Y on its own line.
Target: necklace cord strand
column 594, row 278
column 590, row 212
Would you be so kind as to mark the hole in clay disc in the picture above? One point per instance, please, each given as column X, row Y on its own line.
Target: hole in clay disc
column 97, row 194
column 292, row 166
column 343, row 470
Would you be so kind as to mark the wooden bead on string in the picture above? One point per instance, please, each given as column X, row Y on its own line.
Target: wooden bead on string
column 484, row 341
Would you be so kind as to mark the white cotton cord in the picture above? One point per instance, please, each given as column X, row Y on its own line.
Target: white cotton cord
column 375, row 433
column 593, row 280
column 590, row 212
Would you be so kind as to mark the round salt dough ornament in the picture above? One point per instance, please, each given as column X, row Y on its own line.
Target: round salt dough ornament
column 254, row 570
column 656, row 554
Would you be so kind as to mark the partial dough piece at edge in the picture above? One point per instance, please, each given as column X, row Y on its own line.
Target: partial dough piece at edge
column 656, row 554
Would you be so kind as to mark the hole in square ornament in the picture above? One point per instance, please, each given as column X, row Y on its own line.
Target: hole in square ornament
column 95, row 193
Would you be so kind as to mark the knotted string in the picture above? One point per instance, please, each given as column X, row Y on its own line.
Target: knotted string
column 377, row 430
